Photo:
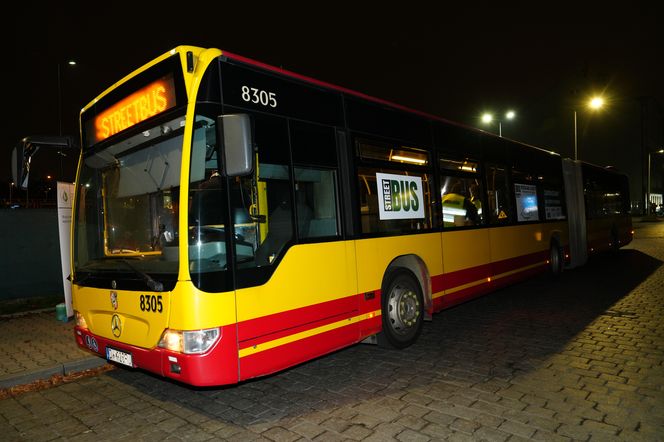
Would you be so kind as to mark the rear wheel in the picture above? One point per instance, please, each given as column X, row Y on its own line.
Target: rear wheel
column 402, row 310
column 556, row 259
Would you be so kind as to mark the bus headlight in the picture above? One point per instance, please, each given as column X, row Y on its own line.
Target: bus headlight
column 80, row 320
column 189, row 341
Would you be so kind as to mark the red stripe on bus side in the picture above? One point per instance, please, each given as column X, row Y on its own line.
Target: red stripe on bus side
column 508, row 265
column 518, row 276
column 460, row 296
column 266, row 328
column 448, row 281
column 485, row 287
column 278, row 358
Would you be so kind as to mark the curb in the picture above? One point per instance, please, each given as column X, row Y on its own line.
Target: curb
column 45, row 373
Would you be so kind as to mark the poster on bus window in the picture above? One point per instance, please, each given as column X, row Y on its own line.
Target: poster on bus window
column 553, row 208
column 526, row 202
column 399, row 196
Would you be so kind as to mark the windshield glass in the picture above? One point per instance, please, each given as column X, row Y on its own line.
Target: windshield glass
column 127, row 209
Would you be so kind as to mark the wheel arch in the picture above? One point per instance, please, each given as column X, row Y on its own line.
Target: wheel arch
column 419, row 269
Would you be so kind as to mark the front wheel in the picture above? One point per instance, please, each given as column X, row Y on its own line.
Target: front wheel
column 402, row 310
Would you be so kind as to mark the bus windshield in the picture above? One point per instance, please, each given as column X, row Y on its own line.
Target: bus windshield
column 127, row 217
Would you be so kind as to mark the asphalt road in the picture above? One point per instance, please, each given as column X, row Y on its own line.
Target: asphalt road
column 577, row 358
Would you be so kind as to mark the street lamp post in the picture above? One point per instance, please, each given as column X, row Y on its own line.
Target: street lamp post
column 594, row 103
column 648, row 193
column 576, row 142
column 70, row 63
column 60, row 153
column 487, row 118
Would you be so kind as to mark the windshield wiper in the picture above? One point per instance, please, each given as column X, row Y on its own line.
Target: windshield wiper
column 153, row 285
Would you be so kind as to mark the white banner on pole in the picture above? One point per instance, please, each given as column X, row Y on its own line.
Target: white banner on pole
column 65, row 200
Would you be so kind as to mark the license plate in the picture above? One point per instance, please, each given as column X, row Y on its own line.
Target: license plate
column 119, row 356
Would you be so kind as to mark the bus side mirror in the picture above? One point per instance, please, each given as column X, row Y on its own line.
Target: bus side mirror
column 234, row 131
column 27, row 147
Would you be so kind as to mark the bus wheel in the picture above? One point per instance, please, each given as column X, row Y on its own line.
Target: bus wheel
column 555, row 259
column 402, row 310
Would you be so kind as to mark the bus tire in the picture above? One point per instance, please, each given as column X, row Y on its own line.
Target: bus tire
column 556, row 259
column 402, row 310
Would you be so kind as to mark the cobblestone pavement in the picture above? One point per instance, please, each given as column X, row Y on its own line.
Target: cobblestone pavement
column 35, row 345
column 579, row 358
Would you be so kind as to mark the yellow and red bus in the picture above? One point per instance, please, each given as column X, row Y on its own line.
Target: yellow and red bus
column 233, row 219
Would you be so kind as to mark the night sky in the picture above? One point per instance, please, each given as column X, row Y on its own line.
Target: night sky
column 541, row 59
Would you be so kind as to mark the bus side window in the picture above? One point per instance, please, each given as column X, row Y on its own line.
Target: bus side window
column 278, row 228
column 461, row 201
column 272, row 192
column 498, row 195
column 460, row 192
column 314, row 154
column 316, row 203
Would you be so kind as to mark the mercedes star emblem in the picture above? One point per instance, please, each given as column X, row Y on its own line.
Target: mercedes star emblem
column 116, row 326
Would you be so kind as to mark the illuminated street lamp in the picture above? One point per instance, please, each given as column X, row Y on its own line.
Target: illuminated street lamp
column 660, row 151
column 595, row 103
column 47, row 186
column 487, row 118
column 60, row 153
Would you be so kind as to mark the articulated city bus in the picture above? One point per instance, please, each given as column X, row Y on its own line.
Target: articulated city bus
column 233, row 219
column 598, row 206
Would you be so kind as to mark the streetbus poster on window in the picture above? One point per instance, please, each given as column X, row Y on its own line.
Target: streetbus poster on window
column 552, row 205
column 526, row 202
column 399, row 196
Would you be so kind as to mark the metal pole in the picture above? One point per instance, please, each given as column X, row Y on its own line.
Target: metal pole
column 576, row 157
column 644, row 186
column 59, row 103
column 500, row 129
column 648, row 188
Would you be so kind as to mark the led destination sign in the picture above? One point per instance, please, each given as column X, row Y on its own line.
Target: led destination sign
column 145, row 103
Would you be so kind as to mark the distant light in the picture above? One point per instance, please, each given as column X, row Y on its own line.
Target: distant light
column 596, row 102
column 660, row 151
column 487, row 118
column 510, row 115
column 71, row 63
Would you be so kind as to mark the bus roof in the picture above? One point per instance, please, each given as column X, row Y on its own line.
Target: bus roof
column 284, row 72
column 361, row 95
